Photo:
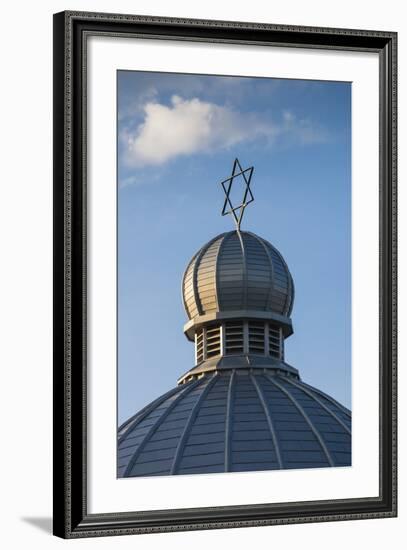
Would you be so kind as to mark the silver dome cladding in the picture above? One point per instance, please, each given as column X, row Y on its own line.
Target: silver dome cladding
column 235, row 421
column 237, row 271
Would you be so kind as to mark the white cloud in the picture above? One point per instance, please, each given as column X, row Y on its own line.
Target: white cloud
column 134, row 105
column 189, row 126
column 125, row 182
column 302, row 131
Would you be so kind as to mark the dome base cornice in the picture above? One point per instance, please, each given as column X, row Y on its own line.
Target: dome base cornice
column 244, row 314
column 240, row 362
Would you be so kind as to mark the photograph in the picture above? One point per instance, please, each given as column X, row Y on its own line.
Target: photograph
column 234, row 257
column 200, row 283
column 225, row 282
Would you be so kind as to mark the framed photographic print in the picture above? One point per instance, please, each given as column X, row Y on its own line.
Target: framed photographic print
column 224, row 274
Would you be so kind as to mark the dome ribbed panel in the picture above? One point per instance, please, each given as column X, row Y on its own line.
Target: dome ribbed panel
column 335, row 407
column 280, row 300
column 206, row 278
column 231, row 275
column 244, row 421
column 258, row 272
column 204, row 449
column 188, row 289
column 157, row 453
column 299, row 447
column 134, row 433
column 334, row 436
column 252, row 447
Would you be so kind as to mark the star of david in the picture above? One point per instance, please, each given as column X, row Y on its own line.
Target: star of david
column 237, row 211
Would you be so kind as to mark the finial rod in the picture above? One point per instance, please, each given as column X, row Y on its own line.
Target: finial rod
column 228, row 208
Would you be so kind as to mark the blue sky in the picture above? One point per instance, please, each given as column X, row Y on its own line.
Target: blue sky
column 177, row 138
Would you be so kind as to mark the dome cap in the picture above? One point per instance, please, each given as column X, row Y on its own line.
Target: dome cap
column 240, row 274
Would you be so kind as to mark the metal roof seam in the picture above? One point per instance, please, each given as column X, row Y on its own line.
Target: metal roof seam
column 228, row 423
column 269, row 420
column 189, row 424
column 306, row 418
column 327, row 409
column 328, row 398
column 158, row 423
column 272, row 275
column 195, row 269
column 144, row 412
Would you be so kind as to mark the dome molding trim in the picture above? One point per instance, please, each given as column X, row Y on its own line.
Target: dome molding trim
column 239, row 362
column 193, row 324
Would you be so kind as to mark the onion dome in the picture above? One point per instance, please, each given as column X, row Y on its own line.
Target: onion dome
column 237, row 270
column 233, row 421
column 238, row 274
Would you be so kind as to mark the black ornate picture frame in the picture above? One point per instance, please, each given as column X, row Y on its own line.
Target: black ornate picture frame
column 71, row 517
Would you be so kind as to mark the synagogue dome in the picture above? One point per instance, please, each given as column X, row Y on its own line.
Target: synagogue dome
column 237, row 271
column 241, row 407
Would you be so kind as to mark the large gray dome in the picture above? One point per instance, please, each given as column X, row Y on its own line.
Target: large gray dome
column 237, row 271
column 236, row 420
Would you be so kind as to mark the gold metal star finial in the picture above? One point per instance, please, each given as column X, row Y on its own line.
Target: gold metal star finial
column 228, row 208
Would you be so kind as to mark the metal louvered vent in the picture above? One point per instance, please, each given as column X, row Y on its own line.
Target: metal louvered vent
column 213, row 342
column 256, row 338
column 199, row 346
column 239, row 338
column 234, row 341
column 275, row 342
